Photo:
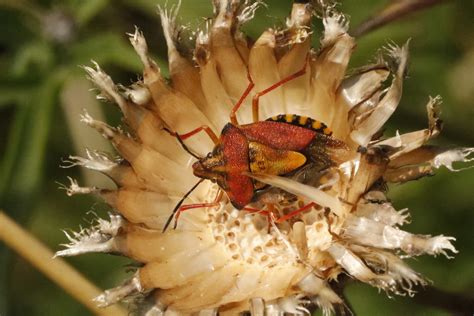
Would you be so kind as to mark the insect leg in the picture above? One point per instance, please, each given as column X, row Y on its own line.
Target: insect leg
column 233, row 118
column 204, row 128
column 270, row 213
column 190, row 207
column 254, row 210
column 183, row 208
column 255, row 99
column 266, row 213
column 295, row 212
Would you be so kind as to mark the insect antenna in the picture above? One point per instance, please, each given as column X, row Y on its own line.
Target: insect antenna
column 176, row 208
column 182, row 143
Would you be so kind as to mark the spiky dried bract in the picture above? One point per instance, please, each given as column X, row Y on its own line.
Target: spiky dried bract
column 220, row 259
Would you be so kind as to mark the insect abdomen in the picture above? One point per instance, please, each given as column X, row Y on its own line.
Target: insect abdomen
column 302, row 121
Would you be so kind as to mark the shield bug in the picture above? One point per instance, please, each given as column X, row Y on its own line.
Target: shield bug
column 280, row 145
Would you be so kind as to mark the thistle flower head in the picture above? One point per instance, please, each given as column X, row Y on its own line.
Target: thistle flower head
column 316, row 210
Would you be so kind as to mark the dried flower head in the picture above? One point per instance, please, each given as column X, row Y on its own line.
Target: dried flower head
column 310, row 223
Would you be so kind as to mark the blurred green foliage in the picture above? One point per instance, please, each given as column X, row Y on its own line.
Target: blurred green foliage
column 43, row 42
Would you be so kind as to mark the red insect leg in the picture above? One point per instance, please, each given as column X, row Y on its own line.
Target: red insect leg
column 255, row 99
column 256, row 210
column 268, row 214
column 271, row 217
column 249, row 88
column 183, row 208
column 204, row 128
column 295, row 212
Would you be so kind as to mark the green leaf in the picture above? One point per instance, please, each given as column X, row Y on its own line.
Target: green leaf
column 13, row 148
column 192, row 10
column 86, row 10
column 106, row 48
column 145, row 6
column 22, row 167
column 15, row 94
column 111, row 48
column 33, row 58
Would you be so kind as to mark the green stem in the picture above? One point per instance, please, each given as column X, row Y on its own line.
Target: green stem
column 393, row 11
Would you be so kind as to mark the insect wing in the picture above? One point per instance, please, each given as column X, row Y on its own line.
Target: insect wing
column 279, row 135
column 236, row 157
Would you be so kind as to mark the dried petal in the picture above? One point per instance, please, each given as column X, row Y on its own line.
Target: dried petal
column 363, row 134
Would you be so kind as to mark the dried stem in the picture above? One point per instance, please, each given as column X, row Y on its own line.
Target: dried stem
column 57, row 269
column 393, row 11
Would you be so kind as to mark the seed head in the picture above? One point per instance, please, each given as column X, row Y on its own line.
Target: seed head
column 275, row 256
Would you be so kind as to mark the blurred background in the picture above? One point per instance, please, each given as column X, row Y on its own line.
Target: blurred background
column 43, row 90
